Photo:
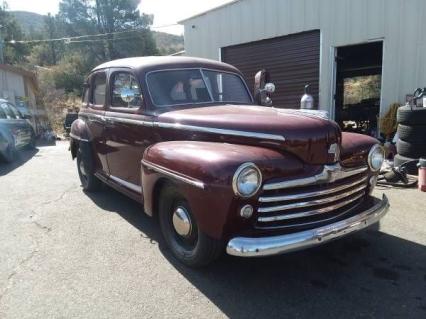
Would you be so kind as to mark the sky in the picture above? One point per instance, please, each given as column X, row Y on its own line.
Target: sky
column 165, row 11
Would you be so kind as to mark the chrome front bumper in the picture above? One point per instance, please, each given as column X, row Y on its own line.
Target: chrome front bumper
column 266, row 246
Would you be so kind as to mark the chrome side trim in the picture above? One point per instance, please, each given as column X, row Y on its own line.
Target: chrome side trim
column 270, row 199
column 133, row 187
column 202, row 129
column 174, row 175
column 313, row 202
column 310, row 212
column 266, row 246
column 112, row 119
column 78, row 138
column 177, row 126
column 329, row 174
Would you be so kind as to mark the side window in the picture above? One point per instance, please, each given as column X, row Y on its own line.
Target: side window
column 6, row 109
column 125, row 91
column 98, row 89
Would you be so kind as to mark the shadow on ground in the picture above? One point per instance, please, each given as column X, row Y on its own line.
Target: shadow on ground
column 21, row 158
column 369, row 274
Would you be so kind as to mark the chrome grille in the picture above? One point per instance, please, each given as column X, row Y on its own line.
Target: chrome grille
column 310, row 200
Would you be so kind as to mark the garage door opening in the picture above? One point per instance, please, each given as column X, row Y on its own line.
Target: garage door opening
column 358, row 87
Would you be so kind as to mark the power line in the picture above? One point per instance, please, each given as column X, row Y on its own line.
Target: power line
column 69, row 39
column 100, row 40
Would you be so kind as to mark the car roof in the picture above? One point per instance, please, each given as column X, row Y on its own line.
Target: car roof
column 151, row 63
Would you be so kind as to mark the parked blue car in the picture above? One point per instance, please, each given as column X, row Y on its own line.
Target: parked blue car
column 16, row 132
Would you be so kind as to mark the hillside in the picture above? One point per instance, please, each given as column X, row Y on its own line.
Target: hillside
column 32, row 22
column 168, row 43
column 29, row 21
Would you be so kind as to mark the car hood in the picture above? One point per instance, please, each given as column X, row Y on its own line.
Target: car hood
column 305, row 135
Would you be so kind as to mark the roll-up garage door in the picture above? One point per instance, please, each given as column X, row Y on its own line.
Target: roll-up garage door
column 292, row 61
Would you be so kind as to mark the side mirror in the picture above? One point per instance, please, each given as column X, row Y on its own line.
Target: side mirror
column 263, row 88
column 127, row 95
column 269, row 88
column 27, row 117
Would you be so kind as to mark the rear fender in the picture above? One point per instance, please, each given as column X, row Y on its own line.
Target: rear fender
column 203, row 172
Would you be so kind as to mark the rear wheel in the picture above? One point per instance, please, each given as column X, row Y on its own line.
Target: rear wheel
column 187, row 242
column 85, row 170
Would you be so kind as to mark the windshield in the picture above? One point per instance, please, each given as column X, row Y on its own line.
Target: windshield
column 195, row 86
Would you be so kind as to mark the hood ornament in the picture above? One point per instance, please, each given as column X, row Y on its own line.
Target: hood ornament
column 334, row 150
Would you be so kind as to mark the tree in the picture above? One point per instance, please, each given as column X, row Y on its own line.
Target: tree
column 126, row 29
column 50, row 27
column 118, row 30
column 13, row 53
column 50, row 52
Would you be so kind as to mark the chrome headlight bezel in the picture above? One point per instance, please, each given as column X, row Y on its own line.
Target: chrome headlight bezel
column 373, row 151
column 235, row 180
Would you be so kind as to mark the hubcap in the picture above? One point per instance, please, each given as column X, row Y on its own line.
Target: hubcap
column 182, row 222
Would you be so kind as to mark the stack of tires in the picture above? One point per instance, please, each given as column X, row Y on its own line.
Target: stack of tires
column 411, row 144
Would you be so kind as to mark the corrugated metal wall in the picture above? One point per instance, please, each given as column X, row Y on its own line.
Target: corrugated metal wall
column 400, row 24
column 11, row 85
column 293, row 61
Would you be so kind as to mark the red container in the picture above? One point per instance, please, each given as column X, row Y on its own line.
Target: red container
column 422, row 174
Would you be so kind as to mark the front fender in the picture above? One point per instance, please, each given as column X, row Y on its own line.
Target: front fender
column 203, row 173
column 79, row 134
column 355, row 148
column 80, row 131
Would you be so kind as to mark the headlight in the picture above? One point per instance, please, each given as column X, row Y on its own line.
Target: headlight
column 247, row 180
column 376, row 157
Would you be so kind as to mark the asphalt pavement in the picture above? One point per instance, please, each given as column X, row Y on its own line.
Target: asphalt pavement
column 68, row 254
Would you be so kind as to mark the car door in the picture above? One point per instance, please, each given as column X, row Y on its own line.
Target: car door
column 128, row 130
column 4, row 131
column 13, row 126
column 26, row 131
column 93, row 113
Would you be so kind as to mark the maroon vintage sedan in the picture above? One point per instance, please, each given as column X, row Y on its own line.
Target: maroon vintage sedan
column 185, row 137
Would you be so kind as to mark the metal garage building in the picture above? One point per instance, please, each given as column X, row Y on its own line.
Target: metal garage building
column 321, row 42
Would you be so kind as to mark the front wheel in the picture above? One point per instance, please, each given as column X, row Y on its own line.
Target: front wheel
column 85, row 170
column 187, row 242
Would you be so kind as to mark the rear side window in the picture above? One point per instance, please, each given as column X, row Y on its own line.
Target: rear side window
column 125, row 91
column 98, row 89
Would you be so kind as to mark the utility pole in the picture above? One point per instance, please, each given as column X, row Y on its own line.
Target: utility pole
column 1, row 50
column 1, row 47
